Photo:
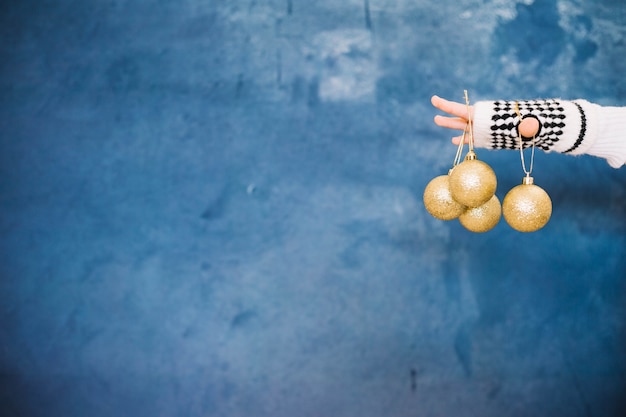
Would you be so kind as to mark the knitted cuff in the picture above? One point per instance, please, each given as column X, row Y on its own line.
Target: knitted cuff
column 564, row 126
column 611, row 141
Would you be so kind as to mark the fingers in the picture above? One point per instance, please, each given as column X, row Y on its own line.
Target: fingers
column 459, row 119
column 457, row 139
column 450, row 107
column 451, row 122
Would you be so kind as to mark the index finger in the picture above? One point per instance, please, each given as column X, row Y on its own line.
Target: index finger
column 450, row 107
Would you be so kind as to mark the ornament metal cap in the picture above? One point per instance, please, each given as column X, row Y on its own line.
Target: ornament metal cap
column 528, row 180
column 470, row 156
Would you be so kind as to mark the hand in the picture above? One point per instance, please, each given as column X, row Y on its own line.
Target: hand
column 459, row 116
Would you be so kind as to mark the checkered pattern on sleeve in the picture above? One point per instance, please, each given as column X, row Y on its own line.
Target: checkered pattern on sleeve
column 504, row 122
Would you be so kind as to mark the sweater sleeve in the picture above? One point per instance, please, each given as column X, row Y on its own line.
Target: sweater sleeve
column 572, row 127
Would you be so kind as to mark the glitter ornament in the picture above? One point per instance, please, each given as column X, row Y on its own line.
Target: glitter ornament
column 527, row 207
column 468, row 191
column 472, row 182
column 438, row 200
column 482, row 218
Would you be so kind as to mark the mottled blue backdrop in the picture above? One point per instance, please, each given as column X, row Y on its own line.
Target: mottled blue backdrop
column 214, row 208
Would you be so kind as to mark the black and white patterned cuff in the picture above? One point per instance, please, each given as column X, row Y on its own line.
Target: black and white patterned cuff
column 565, row 126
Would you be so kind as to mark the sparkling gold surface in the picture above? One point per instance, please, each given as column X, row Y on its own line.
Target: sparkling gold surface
column 483, row 218
column 527, row 208
column 472, row 183
column 438, row 200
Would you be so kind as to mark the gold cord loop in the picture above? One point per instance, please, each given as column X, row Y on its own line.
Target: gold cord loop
column 521, row 150
column 470, row 123
column 459, row 150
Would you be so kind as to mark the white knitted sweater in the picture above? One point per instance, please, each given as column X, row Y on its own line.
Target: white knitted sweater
column 574, row 127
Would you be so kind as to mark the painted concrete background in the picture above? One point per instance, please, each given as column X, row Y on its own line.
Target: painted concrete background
column 213, row 208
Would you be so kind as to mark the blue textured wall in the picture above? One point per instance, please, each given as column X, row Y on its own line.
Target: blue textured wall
column 213, row 208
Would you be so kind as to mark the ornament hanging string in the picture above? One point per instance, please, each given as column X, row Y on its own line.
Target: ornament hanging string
column 470, row 123
column 467, row 131
column 459, row 150
column 521, row 151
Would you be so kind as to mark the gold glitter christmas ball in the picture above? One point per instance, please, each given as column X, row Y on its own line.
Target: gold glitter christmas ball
column 438, row 200
column 482, row 218
column 527, row 207
column 472, row 182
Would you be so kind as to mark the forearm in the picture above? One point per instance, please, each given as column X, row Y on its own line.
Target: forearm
column 571, row 127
